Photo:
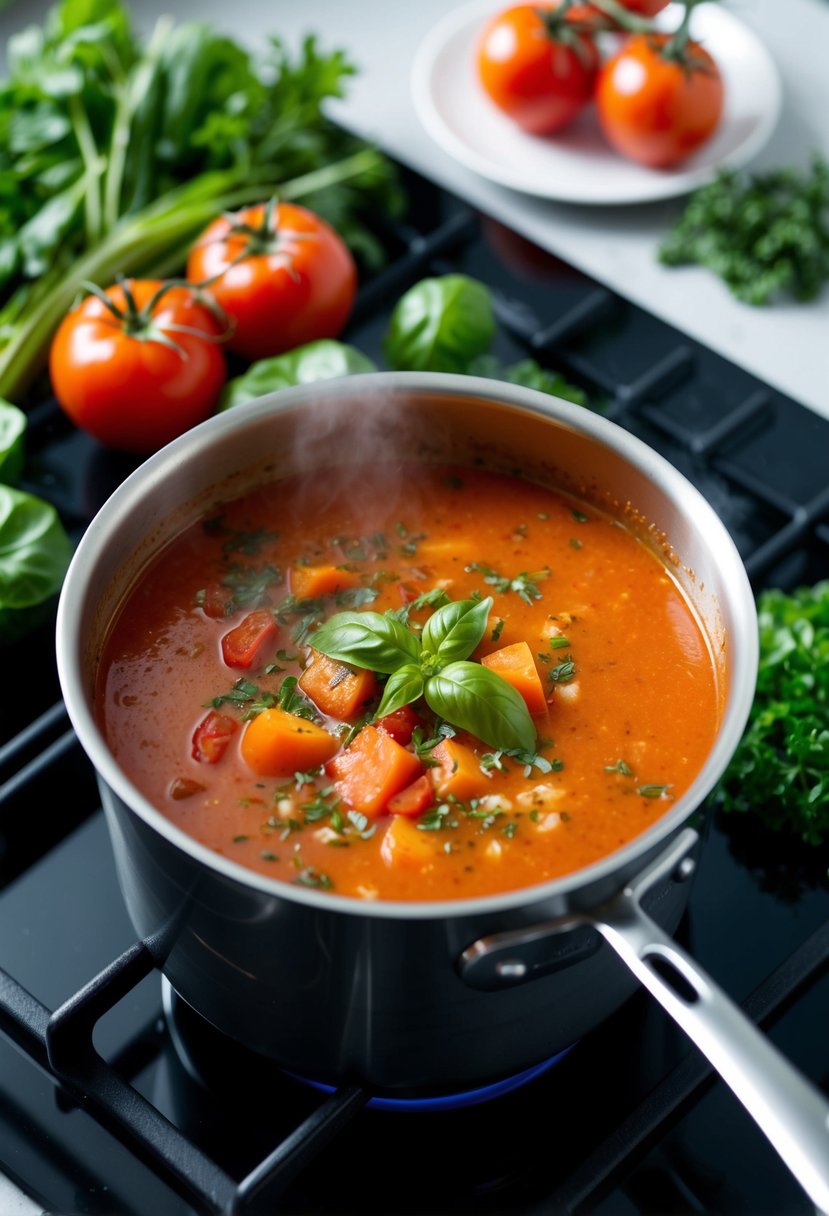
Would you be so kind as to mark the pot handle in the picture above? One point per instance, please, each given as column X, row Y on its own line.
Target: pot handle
column 793, row 1113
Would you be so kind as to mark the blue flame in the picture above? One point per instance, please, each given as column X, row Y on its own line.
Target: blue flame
column 470, row 1097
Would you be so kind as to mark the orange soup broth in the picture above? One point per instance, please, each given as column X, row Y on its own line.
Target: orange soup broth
column 627, row 727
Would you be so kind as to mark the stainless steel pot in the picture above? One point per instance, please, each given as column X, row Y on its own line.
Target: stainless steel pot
column 431, row 997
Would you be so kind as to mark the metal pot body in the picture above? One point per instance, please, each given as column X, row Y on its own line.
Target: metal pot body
column 334, row 996
column 335, row 988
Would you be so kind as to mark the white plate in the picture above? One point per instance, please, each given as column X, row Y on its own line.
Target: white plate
column 577, row 165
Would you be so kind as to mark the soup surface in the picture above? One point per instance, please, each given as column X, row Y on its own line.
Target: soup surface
column 220, row 709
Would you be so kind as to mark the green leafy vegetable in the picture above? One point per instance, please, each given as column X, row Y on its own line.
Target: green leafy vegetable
column 440, row 325
column 402, row 687
column 780, row 770
column 367, row 639
column 34, row 556
column 12, row 443
column 447, row 323
column 455, row 631
column 324, row 359
column 464, row 694
column 116, row 152
column 765, row 235
column 482, row 702
column 530, row 374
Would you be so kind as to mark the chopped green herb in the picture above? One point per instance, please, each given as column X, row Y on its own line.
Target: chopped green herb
column 766, row 235
column 435, row 818
column 266, row 855
column 574, row 543
column 498, row 629
column 653, row 791
column 240, row 839
column 780, row 770
column 250, row 584
column 524, row 585
column 310, row 876
column 509, row 829
column 306, row 778
column 563, row 672
column 579, row 516
column 294, row 702
column 620, row 767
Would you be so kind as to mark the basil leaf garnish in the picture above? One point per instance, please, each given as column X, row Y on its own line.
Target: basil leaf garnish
column 453, row 631
column 402, row 687
column 12, row 436
column 476, row 699
column 367, row 639
column 34, row 555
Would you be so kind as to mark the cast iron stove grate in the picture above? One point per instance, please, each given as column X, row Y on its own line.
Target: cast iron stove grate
column 97, row 1113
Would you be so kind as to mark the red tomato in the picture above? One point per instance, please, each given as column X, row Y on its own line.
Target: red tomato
column 644, row 8
column 248, row 643
column 400, row 724
column 212, row 736
column 136, row 382
column 538, row 80
column 658, row 110
column 282, row 275
column 414, row 799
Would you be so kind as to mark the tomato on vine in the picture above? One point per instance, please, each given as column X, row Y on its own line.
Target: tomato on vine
column 140, row 363
column 283, row 276
column 538, row 64
column 660, row 97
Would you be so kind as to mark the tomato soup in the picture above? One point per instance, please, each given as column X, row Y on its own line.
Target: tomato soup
column 562, row 697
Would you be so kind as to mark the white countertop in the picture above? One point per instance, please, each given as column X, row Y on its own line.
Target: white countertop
column 786, row 344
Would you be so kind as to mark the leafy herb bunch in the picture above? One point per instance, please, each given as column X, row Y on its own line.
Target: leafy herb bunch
column 435, row 666
column 781, row 767
column 115, row 152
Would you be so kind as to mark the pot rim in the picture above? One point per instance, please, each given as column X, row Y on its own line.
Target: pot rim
column 693, row 505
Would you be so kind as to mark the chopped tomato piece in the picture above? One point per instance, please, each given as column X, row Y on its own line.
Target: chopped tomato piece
column 516, row 665
column 371, row 770
column 458, row 771
column 183, row 787
column 216, row 601
column 278, row 744
column 247, row 645
column 400, row 724
column 414, row 799
column 337, row 688
column 211, row 737
column 405, row 845
column 311, row 582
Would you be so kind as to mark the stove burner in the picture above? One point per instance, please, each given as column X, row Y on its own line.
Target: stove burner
column 216, row 1061
column 470, row 1097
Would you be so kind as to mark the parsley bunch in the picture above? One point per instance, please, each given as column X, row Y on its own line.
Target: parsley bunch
column 764, row 235
column 780, row 770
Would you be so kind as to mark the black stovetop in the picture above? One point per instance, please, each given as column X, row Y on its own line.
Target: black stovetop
column 101, row 1113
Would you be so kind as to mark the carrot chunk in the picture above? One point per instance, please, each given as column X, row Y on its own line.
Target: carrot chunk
column 278, row 744
column 211, row 737
column 311, row 582
column 336, row 688
column 405, row 845
column 371, row 770
column 457, row 772
column 516, row 664
column 248, row 644
column 414, row 799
